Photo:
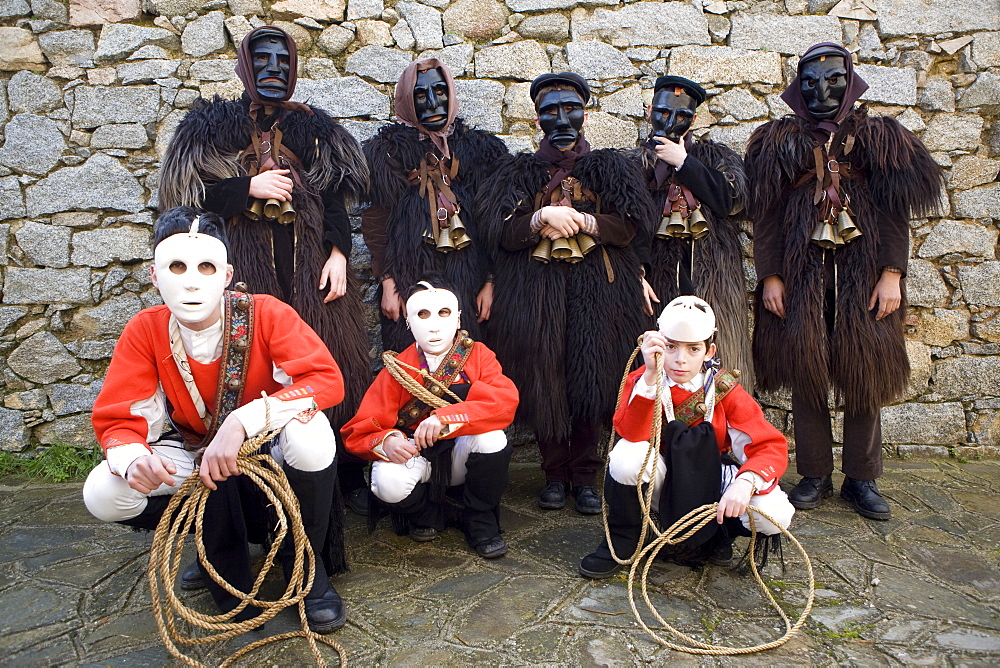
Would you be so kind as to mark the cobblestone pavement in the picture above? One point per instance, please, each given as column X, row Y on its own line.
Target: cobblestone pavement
column 920, row 589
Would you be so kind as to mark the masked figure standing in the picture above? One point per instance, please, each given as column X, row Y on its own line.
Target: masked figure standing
column 426, row 172
column 832, row 193
column 568, row 306
column 697, row 185
column 281, row 174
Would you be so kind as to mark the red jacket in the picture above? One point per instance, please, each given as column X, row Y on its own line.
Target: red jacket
column 490, row 404
column 142, row 359
column 767, row 452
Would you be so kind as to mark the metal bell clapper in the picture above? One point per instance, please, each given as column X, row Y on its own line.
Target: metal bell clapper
column 272, row 209
column 561, row 249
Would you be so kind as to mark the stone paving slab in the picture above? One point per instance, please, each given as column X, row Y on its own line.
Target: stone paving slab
column 920, row 589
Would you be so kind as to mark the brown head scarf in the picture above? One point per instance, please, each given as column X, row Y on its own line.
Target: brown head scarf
column 856, row 87
column 244, row 70
column 407, row 113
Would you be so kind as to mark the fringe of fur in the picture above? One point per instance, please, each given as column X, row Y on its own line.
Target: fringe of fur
column 718, row 258
column 563, row 332
column 864, row 359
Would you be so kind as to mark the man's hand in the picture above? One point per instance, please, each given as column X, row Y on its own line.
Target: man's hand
column 392, row 303
column 484, row 302
column 219, row 460
column 774, row 295
column 736, row 499
column 562, row 221
column 334, row 271
column 428, row 432
column 886, row 295
column 648, row 297
column 149, row 472
column 272, row 184
column 653, row 343
column 671, row 152
column 399, row 450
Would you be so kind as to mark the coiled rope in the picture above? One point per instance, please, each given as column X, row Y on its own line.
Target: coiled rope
column 413, row 386
column 683, row 528
column 186, row 510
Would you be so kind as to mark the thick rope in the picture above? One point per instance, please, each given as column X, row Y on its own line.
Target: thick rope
column 680, row 531
column 413, row 386
column 185, row 511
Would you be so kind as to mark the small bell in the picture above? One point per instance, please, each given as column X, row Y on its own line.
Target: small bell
column 846, row 227
column 663, row 231
column 256, row 210
column 240, row 344
column 823, row 235
column 287, row 213
column 543, row 251
column 697, row 224
column 234, row 383
column 561, row 249
column 428, row 237
column 575, row 255
column 445, row 244
column 272, row 209
column 701, row 408
column 586, row 242
column 676, row 227
column 458, row 234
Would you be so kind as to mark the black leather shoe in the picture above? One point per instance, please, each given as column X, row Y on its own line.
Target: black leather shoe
column 492, row 548
column 357, row 501
column 553, row 495
column 586, row 500
column 810, row 491
column 191, row 579
column 326, row 613
column 422, row 534
column 593, row 566
column 866, row 498
column 722, row 553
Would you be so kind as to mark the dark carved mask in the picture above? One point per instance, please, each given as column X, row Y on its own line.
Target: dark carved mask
column 270, row 66
column 823, row 84
column 560, row 115
column 430, row 99
column 672, row 113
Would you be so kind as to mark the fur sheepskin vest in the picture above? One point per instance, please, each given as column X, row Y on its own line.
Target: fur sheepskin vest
column 829, row 337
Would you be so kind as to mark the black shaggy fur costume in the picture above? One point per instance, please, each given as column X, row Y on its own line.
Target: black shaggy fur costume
column 391, row 154
column 204, row 152
column 862, row 358
column 564, row 331
column 717, row 267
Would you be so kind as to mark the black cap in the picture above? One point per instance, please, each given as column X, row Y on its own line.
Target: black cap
column 696, row 92
column 569, row 78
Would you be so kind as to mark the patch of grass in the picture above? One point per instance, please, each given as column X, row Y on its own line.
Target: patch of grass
column 58, row 463
column 851, row 631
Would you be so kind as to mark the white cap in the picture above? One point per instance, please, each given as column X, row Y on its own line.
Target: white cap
column 687, row 319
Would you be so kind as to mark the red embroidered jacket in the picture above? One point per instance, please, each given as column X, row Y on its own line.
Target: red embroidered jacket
column 766, row 454
column 142, row 360
column 490, row 404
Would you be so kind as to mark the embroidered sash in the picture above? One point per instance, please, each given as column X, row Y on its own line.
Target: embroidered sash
column 450, row 370
column 693, row 408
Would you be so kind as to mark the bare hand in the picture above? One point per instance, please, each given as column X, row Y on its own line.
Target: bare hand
column 886, row 294
column 428, row 432
column 736, row 499
column 399, row 450
column 149, row 472
column 671, row 152
column 564, row 220
column 653, row 343
column 334, row 271
column 774, row 295
column 392, row 303
column 272, row 184
column 219, row 460
column 648, row 297
column 484, row 302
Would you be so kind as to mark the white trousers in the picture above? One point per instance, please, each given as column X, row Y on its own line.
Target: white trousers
column 393, row 482
column 308, row 446
column 625, row 463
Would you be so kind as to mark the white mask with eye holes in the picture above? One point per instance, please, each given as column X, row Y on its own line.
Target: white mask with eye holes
column 192, row 271
column 433, row 317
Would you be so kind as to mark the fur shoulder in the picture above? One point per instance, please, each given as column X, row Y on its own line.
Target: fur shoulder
column 330, row 154
column 776, row 155
column 390, row 153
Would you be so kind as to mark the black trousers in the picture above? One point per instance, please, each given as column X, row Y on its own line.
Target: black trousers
column 862, row 458
column 577, row 460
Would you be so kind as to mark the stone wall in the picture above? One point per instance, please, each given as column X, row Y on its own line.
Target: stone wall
column 91, row 92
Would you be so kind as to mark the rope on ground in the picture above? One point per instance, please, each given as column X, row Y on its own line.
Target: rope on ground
column 185, row 511
column 644, row 555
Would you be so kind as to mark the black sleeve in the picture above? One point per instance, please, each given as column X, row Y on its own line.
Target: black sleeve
column 227, row 197
column 709, row 185
column 336, row 223
column 641, row 246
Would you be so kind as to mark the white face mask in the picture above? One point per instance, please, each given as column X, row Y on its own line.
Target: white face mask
column 191, row 272
column 433, row 317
